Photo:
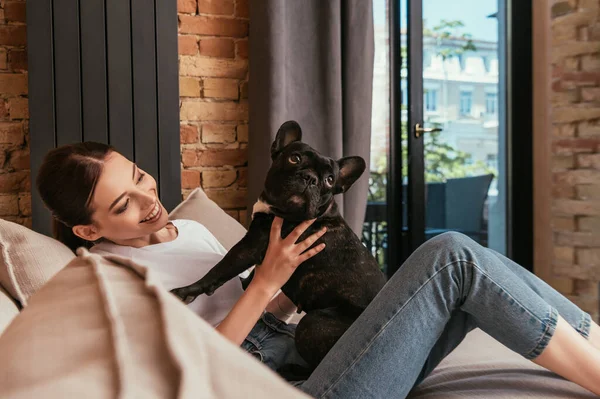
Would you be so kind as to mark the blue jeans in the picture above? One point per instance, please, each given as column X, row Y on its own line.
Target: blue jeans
column 446, row 288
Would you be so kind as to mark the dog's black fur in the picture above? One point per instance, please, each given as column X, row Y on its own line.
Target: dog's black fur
column 334, row 286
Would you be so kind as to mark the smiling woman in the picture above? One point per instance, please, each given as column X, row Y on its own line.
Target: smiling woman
column 90, row 197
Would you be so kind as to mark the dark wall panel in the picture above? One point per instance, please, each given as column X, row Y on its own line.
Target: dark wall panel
column 120, row 96
column 168, row 103
column 93, row 68
column 41, row 97
column 67, row 71
column 106, row 71
column 145, row 118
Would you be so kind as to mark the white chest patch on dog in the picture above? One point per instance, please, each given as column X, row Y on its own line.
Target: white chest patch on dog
column 260, row 206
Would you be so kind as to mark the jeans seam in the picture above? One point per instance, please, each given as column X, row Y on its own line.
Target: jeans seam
column 585, row 325
column 362, row 353
column 506, row 292
column 549, row 324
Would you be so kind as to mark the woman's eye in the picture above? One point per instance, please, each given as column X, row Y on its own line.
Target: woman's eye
column 329, row 180
column 295, row 158
column 123, row 208
column 141, row 177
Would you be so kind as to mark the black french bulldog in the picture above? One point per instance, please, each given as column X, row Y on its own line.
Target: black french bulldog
column 334, row 286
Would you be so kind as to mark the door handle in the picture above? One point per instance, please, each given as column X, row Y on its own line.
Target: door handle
column 419, row 130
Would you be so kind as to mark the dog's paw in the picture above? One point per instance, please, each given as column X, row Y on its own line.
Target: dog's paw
column 186, row 294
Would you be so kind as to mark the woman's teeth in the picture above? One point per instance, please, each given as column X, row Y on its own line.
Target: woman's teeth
column 153, row 214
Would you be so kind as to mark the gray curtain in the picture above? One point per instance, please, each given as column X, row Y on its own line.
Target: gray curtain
column 312, row 61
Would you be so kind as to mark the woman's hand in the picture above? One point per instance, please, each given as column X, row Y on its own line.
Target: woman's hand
column 284, row 255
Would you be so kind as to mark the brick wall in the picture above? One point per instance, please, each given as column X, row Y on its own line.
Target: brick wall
column 213, row 85
column 15, row 198
column 575, row 118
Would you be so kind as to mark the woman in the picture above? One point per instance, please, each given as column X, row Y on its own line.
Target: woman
column 447, row 287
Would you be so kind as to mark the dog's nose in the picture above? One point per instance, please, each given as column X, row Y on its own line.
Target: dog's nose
column 310, row 178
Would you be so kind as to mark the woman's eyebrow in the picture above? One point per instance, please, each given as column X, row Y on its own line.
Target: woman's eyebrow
column 122, row 195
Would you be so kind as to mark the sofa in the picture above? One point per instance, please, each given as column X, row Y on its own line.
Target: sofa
column 98, row 327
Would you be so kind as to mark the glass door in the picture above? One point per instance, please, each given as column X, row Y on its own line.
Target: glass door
column 439, row 125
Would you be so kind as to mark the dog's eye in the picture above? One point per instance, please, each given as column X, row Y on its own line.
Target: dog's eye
column 329, row 180
column 294, row 159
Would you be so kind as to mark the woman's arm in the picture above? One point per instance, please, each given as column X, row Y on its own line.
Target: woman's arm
column 281, row 260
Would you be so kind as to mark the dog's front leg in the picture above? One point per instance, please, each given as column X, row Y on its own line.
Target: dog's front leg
column 246, row 253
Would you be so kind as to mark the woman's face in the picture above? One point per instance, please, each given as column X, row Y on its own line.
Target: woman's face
column 125, row 202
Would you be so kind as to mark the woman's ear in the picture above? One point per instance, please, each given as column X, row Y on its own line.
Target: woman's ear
column 86, row 231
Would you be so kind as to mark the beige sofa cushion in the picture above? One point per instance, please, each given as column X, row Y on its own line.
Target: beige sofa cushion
column 8, row 309
column 28, row 259
column 197, row 206
column 100, row 329
column 481, row 367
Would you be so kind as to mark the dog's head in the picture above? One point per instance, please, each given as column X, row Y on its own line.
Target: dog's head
column 301, row 182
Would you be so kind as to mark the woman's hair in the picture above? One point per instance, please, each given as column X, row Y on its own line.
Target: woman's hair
column 66, row 182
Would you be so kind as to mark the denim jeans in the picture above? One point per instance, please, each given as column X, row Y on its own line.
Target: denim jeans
column 446, row 288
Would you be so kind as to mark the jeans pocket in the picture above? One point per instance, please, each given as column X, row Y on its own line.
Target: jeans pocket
column 253, row 349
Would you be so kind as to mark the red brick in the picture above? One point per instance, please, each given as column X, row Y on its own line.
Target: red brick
column 214, row 157
column 187, row 6
column 244, row 90
column 18, row 108
column 217, row 7
column 581, row 176
column 189, row 87
column 13, row 35
column 202, row 25
column 11, row 134
column 242, row 48
column 3, row 109
column 214, row 133
column 190, row 178
column 583, row 78
column 25, row 204
column 3, row 59
column 591, row 161
column 9, row 205
column 19, row 159
column 577, row 145
column 228, row 199
column 188, row 134
column 221, row 88
column 206, row 111
column 218, row 178
column 213, row 67
column 18, row 60
column 15, row 182
column 14, row 11
column 13, row 83
column 242, row 179
column 562, row 190
column 564, row 223
column 242, row 133
column 241, row 9
column 217, row 47
column 188, row 45
column 590, row 94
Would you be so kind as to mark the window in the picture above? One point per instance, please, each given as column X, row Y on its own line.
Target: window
column 466, row 101
column 431, row 100
column 491, row 103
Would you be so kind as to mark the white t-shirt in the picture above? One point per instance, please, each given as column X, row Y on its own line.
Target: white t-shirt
column 183, row 261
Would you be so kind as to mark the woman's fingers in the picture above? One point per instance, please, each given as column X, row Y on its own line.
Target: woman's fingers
column 310, row 253
column 310, row 240
column 297, row 232
column 276, row 229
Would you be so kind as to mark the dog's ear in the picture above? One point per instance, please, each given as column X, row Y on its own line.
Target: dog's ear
column 288, row 133
column 351, row 168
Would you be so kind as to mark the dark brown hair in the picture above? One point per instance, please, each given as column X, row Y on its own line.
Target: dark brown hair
column 66, row 182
